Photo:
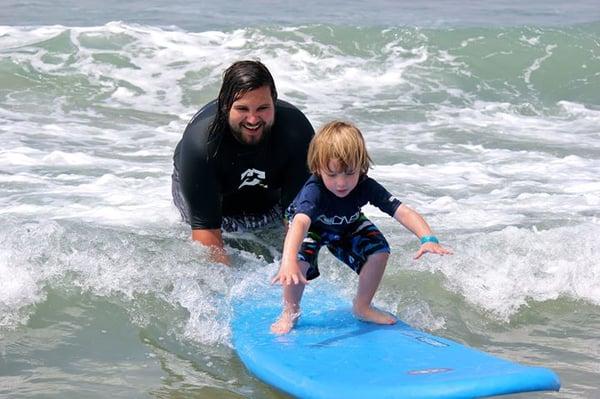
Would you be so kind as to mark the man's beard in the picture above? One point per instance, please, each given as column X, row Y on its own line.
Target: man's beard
column 237, row 132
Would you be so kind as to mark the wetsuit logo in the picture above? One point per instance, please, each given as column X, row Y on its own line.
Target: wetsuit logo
column 337, row 220
column 253, row 177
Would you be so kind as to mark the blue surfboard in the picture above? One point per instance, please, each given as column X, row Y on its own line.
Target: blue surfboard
column 330, row 354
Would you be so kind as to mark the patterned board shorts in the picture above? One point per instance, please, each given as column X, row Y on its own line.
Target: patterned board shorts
column 353, row 248
column 236, row 223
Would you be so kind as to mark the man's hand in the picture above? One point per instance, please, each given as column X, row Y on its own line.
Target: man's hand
column 213, row 239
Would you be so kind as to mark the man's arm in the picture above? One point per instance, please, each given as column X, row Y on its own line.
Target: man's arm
column 199, row 185
column 213, row 239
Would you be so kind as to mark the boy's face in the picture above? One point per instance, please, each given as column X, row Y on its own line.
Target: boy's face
column 337, row 180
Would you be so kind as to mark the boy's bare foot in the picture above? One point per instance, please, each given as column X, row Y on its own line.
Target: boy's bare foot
column 371, row 314
column 286, row 323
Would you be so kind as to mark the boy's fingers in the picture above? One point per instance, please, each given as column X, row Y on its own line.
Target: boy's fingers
column 418, row 254
column 434, row 249
column 443, row 251
column 275, row 279
column 288, row 279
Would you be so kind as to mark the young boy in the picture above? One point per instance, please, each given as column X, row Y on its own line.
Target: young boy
column 327, row 211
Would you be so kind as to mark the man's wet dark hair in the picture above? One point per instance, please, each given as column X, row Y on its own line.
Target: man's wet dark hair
column 240, row 78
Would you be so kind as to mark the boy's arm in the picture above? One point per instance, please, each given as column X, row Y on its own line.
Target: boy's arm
column 289, row 271
column 414, row 222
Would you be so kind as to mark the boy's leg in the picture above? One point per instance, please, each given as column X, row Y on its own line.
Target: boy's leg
column 366, row 251
column 368, row 282
column 292, row 294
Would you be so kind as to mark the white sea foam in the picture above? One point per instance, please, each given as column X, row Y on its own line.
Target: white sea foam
column 18, row 290
column 120, row 266
column 98, row 152
column 502, row 271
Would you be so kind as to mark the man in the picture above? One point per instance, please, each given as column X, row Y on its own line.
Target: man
column 242, row 158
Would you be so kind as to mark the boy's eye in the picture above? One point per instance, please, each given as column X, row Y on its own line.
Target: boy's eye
column 345, row 172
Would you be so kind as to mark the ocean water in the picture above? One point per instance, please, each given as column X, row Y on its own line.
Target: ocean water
column 485, row 117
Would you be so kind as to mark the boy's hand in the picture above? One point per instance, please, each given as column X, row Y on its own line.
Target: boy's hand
column 289, row 273
column 433, row 248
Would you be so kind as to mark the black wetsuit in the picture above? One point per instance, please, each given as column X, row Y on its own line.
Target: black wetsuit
column 218, row 176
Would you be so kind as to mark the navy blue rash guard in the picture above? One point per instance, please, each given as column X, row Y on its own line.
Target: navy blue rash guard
column 339, row 215
column 219, row 176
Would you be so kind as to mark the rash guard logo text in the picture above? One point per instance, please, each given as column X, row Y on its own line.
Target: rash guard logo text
column 337, row 220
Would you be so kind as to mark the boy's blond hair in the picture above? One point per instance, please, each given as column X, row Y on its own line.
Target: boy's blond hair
column 339, row 141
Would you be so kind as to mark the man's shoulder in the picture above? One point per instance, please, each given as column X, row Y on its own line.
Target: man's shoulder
column 205, row 115
column 286, row 111
column 292, row 128
column 195, row 140
column 282, row 105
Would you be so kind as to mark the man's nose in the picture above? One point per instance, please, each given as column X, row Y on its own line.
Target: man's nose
column 252, row 118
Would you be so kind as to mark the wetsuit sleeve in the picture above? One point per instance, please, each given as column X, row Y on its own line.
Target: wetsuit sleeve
column 297, row 141
column 198, row 177
column 306, row 202
column 378, row 196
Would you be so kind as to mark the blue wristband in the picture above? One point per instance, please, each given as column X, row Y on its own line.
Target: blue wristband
column 433, row 239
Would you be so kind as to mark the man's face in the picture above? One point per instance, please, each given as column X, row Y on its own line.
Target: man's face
column 252, row 115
